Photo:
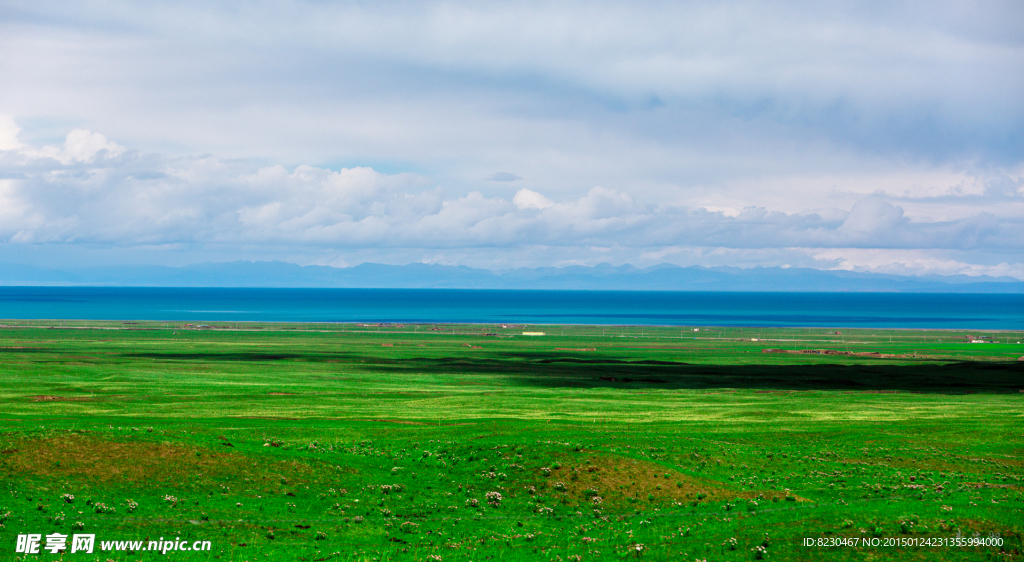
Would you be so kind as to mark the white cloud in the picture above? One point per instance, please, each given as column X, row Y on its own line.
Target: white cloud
column 871, row 218
column 84, row 146
column 94, row 191
column 527, row 199
column 8, row 133
column 914, row 262
column 80, row 146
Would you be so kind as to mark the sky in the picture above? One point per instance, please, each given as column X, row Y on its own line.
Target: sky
column 868, row 136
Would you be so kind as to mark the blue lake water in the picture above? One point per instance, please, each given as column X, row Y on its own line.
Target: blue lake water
column 876, row 310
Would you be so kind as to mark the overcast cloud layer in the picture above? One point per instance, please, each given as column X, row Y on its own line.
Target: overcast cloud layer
column 884, row 137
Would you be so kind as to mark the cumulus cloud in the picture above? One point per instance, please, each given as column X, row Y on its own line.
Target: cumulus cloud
column 93, row 190
column 84, row 146
column 527, row 199
column 8, row 133
column 870, row 218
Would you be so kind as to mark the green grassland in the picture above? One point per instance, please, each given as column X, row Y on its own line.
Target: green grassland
column 473, row 442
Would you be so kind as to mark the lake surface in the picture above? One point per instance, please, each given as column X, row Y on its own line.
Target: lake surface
column 875, row 310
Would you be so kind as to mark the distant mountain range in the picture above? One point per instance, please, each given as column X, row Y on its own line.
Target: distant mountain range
column 663, row 277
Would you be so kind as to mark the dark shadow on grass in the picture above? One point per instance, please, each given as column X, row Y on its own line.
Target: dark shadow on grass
column 931, row 377
column 555, row 370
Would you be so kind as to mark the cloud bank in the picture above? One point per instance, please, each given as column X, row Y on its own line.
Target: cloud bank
column 91, row 190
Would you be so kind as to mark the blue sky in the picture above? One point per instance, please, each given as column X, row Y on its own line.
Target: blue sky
column 882, row 136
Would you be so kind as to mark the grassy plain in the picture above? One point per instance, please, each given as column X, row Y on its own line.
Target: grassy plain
column 474, row 442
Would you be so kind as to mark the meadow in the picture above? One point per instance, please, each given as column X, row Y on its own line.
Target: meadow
column 477, row 442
